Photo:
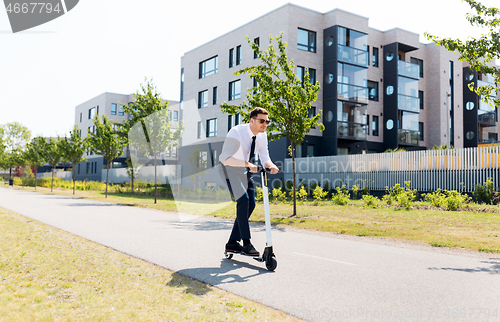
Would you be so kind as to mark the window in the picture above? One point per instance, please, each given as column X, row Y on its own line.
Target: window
column 301, row 73
column 234, row 90
column 113, row 108
column 310, row 150
column 92, row 113
column 176, row 116
column 203, row 99
column 231, row 57
column 80, row 117
column 366, row 129
column 373, row 91
column 229, row 122
column 421, row 98
column 306, row 40
column 214, row 96
column 312, row 112
column 208, row 67
column 256, row 54
column 198, row 135
column 237, row 119
column 211, row 128
column 375, row 57
column 214, row 158
column 88, row 167
column 238, row 55
column 312, row 75
column 78, row 168
column 421, row 130
column 375, row 125
column 255, row 84
column 120, row 110
column 420, row 63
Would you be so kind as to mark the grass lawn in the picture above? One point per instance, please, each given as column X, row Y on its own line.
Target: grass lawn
column 475, row 228
column 49, row 275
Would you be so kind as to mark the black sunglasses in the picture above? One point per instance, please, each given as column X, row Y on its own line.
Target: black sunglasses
column 262, row 121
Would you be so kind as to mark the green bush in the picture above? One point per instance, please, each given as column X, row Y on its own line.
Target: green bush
column 300, row 194
column 403, row 196
column 279, row 195
column 455, row 200
column 370, row 201
column 341, row 197
column 436, row 198
column 258, row 194
column 355, row 189
column 319, row 194
column 484, row 193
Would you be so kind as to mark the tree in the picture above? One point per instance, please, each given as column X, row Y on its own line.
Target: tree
column 105, row 142
column 52, row 155
column 15, row 136
column 198, row 163
column 132, row 170
column 34, row 154
column 149, row 130
column 479, row 53
column 286, row 97
column 73, row 149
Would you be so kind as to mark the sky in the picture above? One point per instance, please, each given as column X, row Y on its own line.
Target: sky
column 113, row 45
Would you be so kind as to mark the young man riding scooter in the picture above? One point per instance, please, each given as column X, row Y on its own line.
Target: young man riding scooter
column 238, row 157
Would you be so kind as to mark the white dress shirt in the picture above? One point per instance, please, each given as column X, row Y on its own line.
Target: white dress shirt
column 239, row 141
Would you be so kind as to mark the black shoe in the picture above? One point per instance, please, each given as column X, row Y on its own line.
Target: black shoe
column 249, row 250
column 234, row 247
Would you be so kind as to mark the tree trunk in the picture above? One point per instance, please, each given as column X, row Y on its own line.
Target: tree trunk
column 52, row 182
column 35, row 179
column 74, row 177
column 107, row 174
column 132, row 181
column 155, row 181
column 293, row 172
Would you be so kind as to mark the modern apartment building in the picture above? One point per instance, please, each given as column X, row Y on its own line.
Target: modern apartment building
column 109, row 104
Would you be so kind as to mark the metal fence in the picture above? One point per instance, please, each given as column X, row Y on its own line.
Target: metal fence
column 452, row 169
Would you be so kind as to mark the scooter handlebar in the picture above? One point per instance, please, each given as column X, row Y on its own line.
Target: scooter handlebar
column 262, row 169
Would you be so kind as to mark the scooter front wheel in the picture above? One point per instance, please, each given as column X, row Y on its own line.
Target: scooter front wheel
column 229, row 256
column 271, row 264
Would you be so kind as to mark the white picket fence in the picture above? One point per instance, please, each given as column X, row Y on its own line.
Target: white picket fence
column 164, row 173
column 452, row 169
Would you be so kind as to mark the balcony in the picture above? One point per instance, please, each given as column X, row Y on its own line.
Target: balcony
column 408, row 103
column 352, row 93
column 352, row 131
column 408, row 137
column 487, row 119
column 408, row 69
column 352, row 55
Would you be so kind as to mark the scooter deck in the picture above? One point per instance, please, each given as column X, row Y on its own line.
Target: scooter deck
column 230, row 254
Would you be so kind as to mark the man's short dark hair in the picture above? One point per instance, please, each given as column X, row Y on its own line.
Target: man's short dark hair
column 258, row 110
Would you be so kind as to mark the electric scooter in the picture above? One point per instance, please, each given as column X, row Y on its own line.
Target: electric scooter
column 267, row 255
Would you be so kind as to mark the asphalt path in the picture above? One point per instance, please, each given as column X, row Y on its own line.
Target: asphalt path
column 320, row 277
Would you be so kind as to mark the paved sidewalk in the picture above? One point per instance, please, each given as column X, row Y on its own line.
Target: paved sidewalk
column 320, row 277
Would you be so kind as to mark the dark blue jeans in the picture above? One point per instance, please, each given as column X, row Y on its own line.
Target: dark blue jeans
column 244, row 208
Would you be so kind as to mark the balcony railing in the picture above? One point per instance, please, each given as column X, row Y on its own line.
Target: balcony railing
column 488, row 119
column 352, row 131
column 408, row 137
column 353, row 55
column 352, row 93
column 408, row 69
column 408, row 103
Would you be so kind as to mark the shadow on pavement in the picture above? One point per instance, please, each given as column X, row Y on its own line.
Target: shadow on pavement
column 494, row 269
column 213, row 276
column 213, row 225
